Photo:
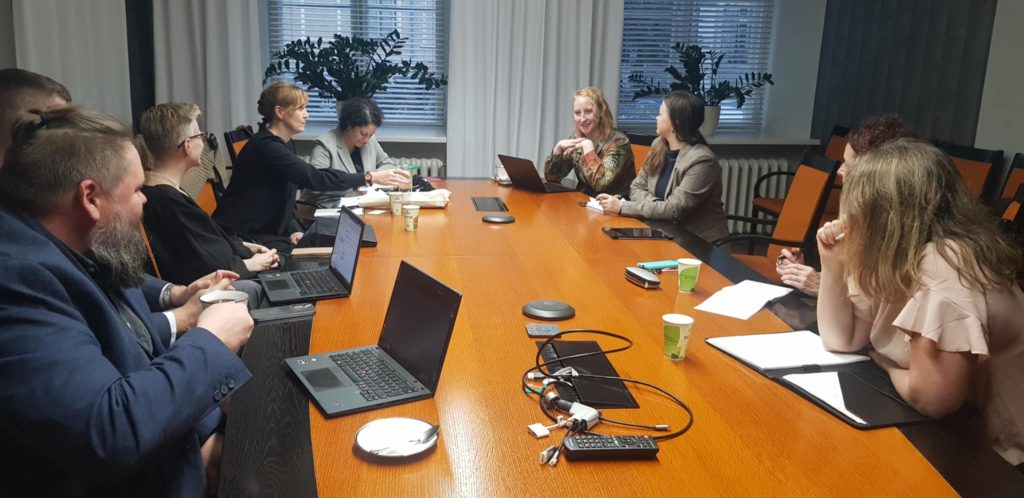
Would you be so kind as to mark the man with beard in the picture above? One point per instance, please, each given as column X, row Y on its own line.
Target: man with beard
column 97, row 400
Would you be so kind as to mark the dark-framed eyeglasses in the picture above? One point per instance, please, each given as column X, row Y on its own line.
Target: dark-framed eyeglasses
column 208, row 138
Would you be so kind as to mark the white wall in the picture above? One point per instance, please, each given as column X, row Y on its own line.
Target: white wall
column 796, row 46
column 1001, row 119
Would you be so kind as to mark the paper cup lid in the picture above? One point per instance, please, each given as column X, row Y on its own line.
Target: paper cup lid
column 677, row 319
column 394, row 437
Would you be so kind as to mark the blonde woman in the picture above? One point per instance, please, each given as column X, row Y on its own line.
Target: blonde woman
column 597, row 152
column 915, row 268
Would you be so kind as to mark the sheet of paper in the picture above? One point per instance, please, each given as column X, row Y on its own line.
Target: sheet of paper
column 376, row 211
column 782, row 350
column 331, row 213
column 349, row 202
column 593, row 204
column 743, row 299
column 824, row 386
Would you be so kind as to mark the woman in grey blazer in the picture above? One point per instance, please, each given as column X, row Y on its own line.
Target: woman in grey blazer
column 352, row 148
column 681, row 180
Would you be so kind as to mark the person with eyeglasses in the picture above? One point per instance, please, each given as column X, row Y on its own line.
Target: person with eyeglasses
column 187, row 243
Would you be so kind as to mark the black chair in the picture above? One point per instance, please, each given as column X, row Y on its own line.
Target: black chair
column 798, row 219
column 236, row 140
column 976, row 167
column 834, row 149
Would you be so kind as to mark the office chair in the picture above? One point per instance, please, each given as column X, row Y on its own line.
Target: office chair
column 236, row 140
column 641, row 147
column 834, row 149
column 976, row 167
column 798, row 219
column 151, row 266
column 1014, row 177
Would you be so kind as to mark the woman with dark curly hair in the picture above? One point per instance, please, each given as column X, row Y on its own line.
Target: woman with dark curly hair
column 871, row 134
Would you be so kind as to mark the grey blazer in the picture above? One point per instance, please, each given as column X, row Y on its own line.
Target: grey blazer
column 330, row 153
column 693, row 197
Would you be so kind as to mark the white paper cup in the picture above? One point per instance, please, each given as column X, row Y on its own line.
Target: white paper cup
column 223, row 296
column 688, row 271
column 676, row 329
column 411, row 212
column 396, row 199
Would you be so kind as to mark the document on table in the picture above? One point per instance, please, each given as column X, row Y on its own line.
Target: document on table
column 743, row 299
column 782, row 350
column 593, row 204
column 334, row 213
column 827, row 388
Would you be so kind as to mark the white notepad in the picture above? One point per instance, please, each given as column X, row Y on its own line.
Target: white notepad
column 782, row 350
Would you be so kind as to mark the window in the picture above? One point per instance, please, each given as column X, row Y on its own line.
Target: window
column 740, row 29
column 423, row 22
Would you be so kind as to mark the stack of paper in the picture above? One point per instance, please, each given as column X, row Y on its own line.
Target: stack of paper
column 596, row 206
column 743, row 299
column 782, row 350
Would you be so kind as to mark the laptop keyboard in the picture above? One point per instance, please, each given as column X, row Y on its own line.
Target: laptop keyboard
column 316, row 282
column 375, row 379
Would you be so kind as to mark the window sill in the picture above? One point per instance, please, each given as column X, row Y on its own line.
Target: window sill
column 743, row 138
column 387, row 134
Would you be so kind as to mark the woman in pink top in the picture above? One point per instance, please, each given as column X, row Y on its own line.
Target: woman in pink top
column 917, row 269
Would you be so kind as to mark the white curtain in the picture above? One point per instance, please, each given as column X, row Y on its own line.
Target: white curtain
column 514, row 66
column 208, row 52
column 83, row 45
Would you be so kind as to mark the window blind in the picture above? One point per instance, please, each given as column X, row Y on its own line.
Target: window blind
column 740, row 29
column 423, row 22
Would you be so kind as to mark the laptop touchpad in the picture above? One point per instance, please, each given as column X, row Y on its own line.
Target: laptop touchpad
column 277, row 284
column 322, row 379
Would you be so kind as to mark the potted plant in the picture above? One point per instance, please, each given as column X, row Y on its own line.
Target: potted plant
column 700, row 77
column 349, row 67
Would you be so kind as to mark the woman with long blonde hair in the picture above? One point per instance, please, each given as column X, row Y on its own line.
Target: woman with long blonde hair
column 917, row 269
column 597, row 152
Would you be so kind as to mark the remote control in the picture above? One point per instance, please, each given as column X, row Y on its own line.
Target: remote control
column 541, row 330
column 595, row 447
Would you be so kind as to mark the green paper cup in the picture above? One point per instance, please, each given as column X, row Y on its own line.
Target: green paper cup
column 688, row 271
column 677, row 335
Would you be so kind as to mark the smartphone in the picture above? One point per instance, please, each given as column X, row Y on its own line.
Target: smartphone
column 635, row 233
column 541, row 330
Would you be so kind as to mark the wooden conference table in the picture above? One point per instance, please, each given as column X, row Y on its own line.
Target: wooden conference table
column 750, row 436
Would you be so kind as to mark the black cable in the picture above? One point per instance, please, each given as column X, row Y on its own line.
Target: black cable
column 540, row 367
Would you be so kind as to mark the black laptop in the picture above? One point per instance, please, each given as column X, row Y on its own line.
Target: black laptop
column 524, row 175
column 334, row 281
column 404, row 366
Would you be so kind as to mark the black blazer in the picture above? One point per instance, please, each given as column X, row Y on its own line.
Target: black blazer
column 187, row 243
column 260, row 200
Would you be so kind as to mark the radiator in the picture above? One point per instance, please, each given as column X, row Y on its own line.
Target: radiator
column 428, row 166
column 738, row 178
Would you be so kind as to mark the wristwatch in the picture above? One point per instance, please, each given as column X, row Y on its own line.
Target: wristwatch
column 368, row 177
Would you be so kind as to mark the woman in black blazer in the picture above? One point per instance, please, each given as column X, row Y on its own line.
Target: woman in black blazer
column 259, row 203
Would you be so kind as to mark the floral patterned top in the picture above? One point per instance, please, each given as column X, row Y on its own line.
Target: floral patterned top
column 608, row 169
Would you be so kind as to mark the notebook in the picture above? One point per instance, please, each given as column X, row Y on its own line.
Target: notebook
column 406, row 363
column 334, row 281
column 524, row 175
column 849, row 386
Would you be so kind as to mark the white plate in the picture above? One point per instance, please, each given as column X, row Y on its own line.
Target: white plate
column 394, row 437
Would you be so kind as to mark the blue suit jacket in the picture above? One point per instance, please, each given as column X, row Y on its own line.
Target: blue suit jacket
column 85, row 411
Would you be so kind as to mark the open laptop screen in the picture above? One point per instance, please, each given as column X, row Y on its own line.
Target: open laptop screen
column 419, row 323
column 346, row 246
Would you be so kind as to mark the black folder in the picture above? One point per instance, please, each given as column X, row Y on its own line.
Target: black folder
column 595, row 393
column 860, row 394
